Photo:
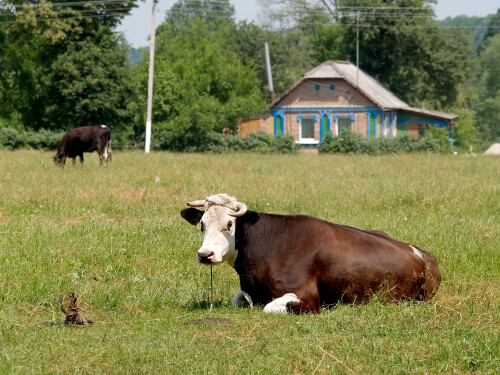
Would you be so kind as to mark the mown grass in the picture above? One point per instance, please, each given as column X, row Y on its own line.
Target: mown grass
column 115, row 236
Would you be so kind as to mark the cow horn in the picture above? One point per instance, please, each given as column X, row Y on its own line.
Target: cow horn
column 199, row 203
column 241, row 209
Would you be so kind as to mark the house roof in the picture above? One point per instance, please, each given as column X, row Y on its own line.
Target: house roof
column 429, row 113
column 366, row 84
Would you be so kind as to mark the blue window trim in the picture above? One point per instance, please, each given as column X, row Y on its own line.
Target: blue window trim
column 300, row 117
column 328, row 124
column 277, row 114
column 343, row 115
column 368, row 127
column 336, row 116
column 325, row 109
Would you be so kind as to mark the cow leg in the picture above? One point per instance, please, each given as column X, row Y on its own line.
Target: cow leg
column 106, row 155
column 242, row 299
column 74, row 160
column 306, row 304
column 279, row 305
column 81, row 159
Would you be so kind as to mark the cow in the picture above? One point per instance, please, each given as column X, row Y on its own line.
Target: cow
column 298, row 263
column 85, row 139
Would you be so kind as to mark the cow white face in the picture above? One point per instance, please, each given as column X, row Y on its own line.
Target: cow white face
column 218, row 225
column 218, row 229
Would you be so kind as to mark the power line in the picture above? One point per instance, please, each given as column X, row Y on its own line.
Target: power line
column 76, row 3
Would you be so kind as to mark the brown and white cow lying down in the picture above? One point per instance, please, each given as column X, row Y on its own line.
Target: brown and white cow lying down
column 298, row 263
column 85, row 139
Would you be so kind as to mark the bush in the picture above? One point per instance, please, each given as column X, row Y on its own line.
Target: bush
column 43, row 139
column 218, row 143
column 350, row 143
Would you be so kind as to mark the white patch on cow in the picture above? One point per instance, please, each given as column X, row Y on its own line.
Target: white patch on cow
column 105, row 153
column 417, row 252
column 242, row 299
column 103, row 126
column 279, row 304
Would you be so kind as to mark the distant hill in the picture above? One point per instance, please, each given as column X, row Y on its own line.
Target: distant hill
column 478, row 25
column 135, row 54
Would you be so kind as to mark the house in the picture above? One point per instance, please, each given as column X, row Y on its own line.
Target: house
column 336, row 96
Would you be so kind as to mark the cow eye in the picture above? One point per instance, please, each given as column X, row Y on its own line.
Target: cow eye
column 229, row 224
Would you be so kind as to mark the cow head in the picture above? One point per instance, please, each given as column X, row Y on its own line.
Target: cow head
column 218, row 225
column 59, row 159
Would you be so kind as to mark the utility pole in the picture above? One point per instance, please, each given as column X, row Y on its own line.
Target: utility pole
column 357, row 52
column 269, row 75
column 151, row 74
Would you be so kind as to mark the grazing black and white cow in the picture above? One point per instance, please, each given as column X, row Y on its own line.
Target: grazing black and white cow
column 298, row 263
column 85, row 139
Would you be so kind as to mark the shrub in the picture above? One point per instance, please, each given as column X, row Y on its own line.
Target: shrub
column 43, row 139
column 348, row 142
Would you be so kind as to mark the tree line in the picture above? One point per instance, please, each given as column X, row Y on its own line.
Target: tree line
column 62, row 65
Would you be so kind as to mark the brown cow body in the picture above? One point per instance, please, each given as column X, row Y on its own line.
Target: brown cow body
column 298, row 263
column 323, row 263
column 85, row 139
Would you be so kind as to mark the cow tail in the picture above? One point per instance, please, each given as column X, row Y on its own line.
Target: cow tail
column 109, row 149
column 108, row 145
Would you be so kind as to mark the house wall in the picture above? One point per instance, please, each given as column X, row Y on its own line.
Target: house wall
column 315, row 98
column 264, row 123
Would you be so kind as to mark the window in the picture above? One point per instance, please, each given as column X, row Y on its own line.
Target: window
column 307, row 129
column 344, row 123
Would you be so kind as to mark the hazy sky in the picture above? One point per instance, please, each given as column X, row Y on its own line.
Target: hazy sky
column 137, row 26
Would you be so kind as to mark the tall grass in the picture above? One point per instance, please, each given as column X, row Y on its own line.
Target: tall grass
column 115, row 236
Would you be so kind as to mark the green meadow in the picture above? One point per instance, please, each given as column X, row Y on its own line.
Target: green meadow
column 115, row 236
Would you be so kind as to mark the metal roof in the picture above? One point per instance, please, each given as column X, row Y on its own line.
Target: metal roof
column 366, row 84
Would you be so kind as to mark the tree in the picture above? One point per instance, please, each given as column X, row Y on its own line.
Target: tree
column 488, row 88
column 201, row 87
column 212, row 12
column 405, row 49
column 90, row 83
column 37, row 38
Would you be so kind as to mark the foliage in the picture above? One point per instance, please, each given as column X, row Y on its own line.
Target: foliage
column 351, row 143
column 201, row 86
column 42, row 139
column 218, row 143
column 60, row 60
column 211, row 12
column 488, row 88
column 477, row 25
column 115, row 236
column 89, row 84
column 409, row 54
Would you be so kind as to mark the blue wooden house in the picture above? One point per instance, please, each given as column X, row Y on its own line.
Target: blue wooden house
column 336, row 96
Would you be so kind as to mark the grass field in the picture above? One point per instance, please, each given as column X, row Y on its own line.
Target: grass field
column 115, row 236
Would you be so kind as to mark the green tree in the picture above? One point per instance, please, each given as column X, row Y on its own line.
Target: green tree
column 298, row 23
column 38, row 38
column 212, row 12
column 488, row 88
column 405, row 49
column 200, row 86
column 90, row 83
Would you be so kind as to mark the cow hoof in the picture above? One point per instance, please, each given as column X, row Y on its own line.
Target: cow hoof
column 242, row 299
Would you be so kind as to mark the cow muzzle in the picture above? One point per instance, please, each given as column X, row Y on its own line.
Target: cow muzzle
column 205, row 257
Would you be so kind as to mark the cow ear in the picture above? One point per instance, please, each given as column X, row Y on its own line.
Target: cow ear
column 192, row 215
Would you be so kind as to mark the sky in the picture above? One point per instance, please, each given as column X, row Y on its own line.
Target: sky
column 137, row 26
